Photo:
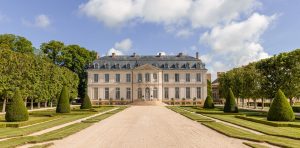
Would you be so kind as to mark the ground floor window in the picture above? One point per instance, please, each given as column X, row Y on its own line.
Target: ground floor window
column 140, row 93
column 188, row 93
column 198, row 92
column 155, row 92
column 117, row 93
column 106, row 93
column 166, row 92
column 96, row 93
column 177, row 92
column 128, row 93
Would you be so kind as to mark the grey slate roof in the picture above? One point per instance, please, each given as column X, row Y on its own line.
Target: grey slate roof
column 162, row 62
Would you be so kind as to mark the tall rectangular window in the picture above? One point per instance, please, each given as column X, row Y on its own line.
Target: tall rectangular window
column 106, row 78
column 166, row 77
column 128, row 93
column 155, row 93
column 95, row 93
column 128, row 77
column 155, row 77
column 118, row 93
column 177, row 77
column 187, row 77
column 177, row 92
column 106, row 93
column 198, row 77
column 198, row 92
column 96, row 78
column 140, row 77
column 147, row 77
column 118, row 78
column 166, row 92
column 188, row 93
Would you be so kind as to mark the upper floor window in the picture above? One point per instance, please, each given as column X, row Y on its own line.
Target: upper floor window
column 140, row 77
column 166, row 77
column 128, row 77
column 166, row 65
column 176, row 77
column 187, row 77
column 147, row 77
column 96, row 66
column 155, row 93
column 128, row 66
column 155, row 77
column 106, row 66
column 118, row 78
column 198, row 77
column 96, row 78
column 106, row 77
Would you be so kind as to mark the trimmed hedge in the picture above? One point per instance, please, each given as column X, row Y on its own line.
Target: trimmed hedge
column 16, row 110
column 86, row 103
column 230, row 104
column 280, row 109
column 63, row 105
column 296, row 109
column 209, row 104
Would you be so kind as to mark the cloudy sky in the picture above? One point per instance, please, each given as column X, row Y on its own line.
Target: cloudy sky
column 226, row 33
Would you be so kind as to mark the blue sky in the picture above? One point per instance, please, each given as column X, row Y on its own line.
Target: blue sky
column 226, row 33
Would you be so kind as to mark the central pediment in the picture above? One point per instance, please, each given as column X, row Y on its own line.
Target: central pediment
column 146, row 67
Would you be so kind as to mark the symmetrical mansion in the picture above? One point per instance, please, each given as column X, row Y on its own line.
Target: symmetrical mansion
column 160, row 77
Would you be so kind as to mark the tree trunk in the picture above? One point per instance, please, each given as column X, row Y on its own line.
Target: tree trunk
column 51, row 103
column 4, row 105
column 248, row 104
column 46, row 104
column 39, row 104
column 262, row 103
column 291, row 101
column 243, row 102
column 254, row 103
column 25, row 102
column 31, row 104
column 237, row 101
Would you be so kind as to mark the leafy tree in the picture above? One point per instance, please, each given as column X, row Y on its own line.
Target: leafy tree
column 53, row 50
column 63, row 105
column 230, row 105
column 280, row 109
column 15, row 43
column 86, row 103
column 209, row 104
column 16, row 111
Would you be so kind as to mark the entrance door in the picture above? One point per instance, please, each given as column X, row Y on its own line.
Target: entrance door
column 147, row 93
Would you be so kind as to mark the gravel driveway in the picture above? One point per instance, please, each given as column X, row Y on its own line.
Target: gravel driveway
column 148, row 127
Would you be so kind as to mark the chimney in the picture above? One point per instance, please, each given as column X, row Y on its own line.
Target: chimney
column 113, row 54
column 98, row 55
column 159, row 54
column 197, row 55
column 134, row 54
column 180, row 54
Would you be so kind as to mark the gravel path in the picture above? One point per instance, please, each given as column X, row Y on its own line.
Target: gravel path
column 148, row 126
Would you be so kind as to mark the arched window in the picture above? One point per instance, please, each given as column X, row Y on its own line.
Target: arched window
column 140, row 93
column 128, row 66
column 147, row 93
column 187, row 65
column 166, row 65
column 155, row 93
column 96, row 65
column 147, row 77
column 106, row 66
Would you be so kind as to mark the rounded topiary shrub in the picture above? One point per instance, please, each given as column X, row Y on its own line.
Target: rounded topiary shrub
column 230, row 104
column 280, row 109
column 16, row 110
column 209, row 104
column 86, row 103
column 63, row 104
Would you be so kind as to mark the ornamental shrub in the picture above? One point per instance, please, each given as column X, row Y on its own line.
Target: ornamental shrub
column 63, row 104
column 16, row 110
column 230, row 104
column 86, row 103
column 280, row 109
column 209, row 104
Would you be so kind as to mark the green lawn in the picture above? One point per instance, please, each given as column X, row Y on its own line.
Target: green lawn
column 62, row 118
column 57, row 134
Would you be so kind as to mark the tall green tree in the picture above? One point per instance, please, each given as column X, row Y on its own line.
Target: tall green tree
column 63, row 105
column 53, row 50
column 230, row 104
column 16, row 110
column 15, row 43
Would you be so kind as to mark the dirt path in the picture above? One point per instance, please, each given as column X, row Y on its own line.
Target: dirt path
column 148, row 126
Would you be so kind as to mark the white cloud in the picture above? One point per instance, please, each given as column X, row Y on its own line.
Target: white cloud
column 124, row 45
column 184, row 33
column 40, row 21
column 237, row 43
column 121, row 47
column 198, row 13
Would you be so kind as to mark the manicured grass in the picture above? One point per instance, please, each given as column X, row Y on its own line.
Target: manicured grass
column 53, row 135
column 63, row 118
column 191, row 116
column 254, row 145
column 263, row 120
column 242, row 134
column 43, row 145
column 31, row 121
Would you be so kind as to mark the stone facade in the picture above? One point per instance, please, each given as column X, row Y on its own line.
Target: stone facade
column 132, row 78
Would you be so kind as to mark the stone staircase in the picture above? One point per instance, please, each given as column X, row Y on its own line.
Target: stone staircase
column 147, row 103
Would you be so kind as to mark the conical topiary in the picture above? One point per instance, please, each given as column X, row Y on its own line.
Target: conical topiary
column 230, row 105
column 86, row 103
column 16, row 111
column 280, row 109
column 63, row 104
column 209, row 104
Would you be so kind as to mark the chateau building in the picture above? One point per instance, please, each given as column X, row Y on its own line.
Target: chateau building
column 134, row 77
